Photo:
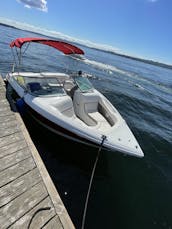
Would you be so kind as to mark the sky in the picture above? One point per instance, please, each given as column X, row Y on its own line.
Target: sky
column 140, row 28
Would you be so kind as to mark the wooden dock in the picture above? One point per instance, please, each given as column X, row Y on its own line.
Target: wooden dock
column 28, row 197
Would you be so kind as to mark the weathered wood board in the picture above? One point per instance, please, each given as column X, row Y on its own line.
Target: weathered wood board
column 28, row 198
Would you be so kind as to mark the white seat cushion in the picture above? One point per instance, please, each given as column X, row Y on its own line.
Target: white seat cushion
column 97, row 116
column 102, row 123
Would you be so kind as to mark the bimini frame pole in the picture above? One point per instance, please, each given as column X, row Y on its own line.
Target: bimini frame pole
column 18, row 61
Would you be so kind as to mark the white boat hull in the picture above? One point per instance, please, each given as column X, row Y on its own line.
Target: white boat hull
column 77, row 120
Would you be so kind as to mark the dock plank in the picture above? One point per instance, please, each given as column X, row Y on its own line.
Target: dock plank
column 4, row 103
column 7, row 118
column 19, row 186
column 5, row 140
column 2, row 114
column 12, row 159
column 2, row 96
column 54, row 223
column 12, row 148
column 8, row 124
column 28, row 198
column 14, row 210
column 15, row 171
column 5, row 108
column 8, row 131
column 37, row 217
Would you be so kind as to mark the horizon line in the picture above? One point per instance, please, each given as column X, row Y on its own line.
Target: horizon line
column 87, row 43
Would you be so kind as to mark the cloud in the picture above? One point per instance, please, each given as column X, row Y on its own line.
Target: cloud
column 38, row 4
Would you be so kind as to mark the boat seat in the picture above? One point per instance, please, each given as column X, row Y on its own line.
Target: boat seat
column 64, row 105
column 85, row 104
column 70, row 88
column 99, row 119
column 97, row 116
column 68, row 85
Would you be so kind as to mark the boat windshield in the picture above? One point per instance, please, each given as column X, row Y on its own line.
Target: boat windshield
column 44, row 86
column 84, row 84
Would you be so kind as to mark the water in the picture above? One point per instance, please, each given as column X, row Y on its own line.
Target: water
column 127, row 192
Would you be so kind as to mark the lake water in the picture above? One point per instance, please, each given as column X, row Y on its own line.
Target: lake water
column 127, row 192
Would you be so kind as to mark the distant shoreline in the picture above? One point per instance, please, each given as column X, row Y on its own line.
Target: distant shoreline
column 152, row 62
column 145, row 61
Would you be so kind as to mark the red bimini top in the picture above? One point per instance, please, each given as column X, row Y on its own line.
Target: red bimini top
column 64, row 47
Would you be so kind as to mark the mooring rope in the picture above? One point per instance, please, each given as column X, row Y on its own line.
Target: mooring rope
column 91, row 180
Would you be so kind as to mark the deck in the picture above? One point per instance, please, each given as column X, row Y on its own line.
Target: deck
column 28, row 197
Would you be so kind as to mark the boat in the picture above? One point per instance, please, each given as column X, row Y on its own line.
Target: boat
column 69, row 105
